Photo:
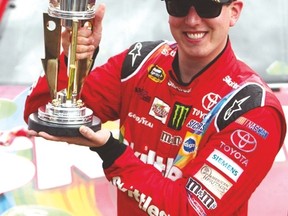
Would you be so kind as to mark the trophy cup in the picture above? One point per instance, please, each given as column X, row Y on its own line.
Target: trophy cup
column 66, row 112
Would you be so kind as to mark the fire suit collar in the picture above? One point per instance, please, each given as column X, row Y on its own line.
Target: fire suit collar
column 223, row 56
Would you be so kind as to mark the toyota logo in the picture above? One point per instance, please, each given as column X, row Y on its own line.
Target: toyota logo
column 210, row 100
column 243, row 140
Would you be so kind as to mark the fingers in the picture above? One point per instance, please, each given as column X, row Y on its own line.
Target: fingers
column 89, row 40
column 71, row 140
column 49, row 137
column 90, row 138
column 32, row 133
column 89, row 36
column 86, row 45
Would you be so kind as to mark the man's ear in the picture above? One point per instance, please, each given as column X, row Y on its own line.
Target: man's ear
column 235, row 11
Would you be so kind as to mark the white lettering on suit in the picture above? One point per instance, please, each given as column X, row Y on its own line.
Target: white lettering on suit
column 145, row 202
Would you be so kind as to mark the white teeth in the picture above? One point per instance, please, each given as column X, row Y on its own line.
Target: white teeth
column 195, row 35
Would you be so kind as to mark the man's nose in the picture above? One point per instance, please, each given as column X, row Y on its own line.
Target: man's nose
column 192, row 16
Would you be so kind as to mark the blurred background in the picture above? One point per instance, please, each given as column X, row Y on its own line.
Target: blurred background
column 22, row 40
column 260, row 38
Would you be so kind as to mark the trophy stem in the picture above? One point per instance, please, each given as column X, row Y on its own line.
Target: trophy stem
column 72, row 82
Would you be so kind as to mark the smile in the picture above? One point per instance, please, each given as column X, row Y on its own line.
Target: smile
column 195, row 35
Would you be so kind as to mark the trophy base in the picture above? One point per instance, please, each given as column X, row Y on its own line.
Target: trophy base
column 61, row 130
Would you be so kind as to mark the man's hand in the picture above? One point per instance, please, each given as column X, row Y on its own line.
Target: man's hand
column 88, row 37
column 90, row 138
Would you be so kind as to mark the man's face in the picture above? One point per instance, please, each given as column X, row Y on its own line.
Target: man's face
column 202, row 38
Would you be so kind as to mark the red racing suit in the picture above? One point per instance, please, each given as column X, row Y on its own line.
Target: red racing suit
column 158, row 114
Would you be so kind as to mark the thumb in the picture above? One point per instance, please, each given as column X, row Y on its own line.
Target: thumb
column 98, row 138
column 99, row 15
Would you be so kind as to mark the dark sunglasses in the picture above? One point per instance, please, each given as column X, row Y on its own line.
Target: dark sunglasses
column 204, row 8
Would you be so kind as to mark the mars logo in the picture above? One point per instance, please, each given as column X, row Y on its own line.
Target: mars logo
column 210, row 100
column 243, row 140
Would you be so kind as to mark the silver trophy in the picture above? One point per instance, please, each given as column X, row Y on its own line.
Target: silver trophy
column 66, row 112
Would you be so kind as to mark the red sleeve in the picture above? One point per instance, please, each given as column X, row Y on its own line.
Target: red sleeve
column 101, row 91
column 40, row 94
column 221, row 178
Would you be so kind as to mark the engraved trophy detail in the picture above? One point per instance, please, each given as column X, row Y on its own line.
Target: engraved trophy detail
column 66, row 112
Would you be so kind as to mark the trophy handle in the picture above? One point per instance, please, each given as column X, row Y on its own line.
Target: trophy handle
column 52, row 38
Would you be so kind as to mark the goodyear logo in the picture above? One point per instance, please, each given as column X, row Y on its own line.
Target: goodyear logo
column 156, row 74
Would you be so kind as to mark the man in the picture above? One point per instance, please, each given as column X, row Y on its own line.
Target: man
column 201, row 129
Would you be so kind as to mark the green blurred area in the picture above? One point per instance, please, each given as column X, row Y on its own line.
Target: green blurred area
column 7, row 108
column 278, row 68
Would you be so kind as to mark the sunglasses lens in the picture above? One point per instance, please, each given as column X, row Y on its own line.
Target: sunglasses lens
column 178, row 8
column 204, row 8
column 207, row 8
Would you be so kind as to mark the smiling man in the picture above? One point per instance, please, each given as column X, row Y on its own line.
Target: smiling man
column 185, row 145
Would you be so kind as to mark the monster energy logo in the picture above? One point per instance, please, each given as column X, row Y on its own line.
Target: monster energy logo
column 178, row 116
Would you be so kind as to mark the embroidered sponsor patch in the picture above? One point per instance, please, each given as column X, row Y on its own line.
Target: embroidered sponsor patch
column 190, row 143
column 143, row 94
column 196, row 126
column 213, row 181
column 159, row 110
column 243, row 140
column 225, row 164
column 156, row 74
column 253, row 126
column 178, row 116
column 178, row 88
column 239, row 156
column 194, row 188
column 210, row 100
column 170, row 139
